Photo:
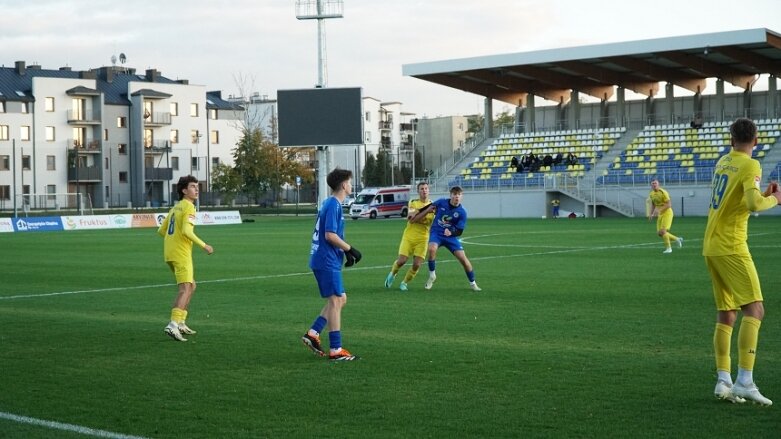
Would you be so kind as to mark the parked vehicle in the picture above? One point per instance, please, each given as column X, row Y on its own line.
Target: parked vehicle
column 374, row 202
column 348, row 201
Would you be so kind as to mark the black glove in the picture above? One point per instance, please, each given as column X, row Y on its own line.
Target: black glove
column 353, row 257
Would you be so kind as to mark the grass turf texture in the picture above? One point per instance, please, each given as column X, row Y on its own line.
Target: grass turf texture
column 583, row 329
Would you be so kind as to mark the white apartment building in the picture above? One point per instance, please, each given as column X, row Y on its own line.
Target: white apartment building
column 116, row 137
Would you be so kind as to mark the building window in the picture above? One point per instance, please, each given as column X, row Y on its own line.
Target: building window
column 213, row 114
column 5, row 192
column 3, row 132
column 149, row 138
column 215, row 161
column 122, row 148
column 49, row 134
column 50, row 163
column 123, row 176
column 368, row 136
column 5, row 162
column 194, row 110
column 25, row 107
column 105, row 134
column 194, row 136
column 121, row 122
column 368, row 116
column 174, row 108
column 174, row 136
column 26, row 162
column 105, row 163
column 2, row 106
column 195, row 164
column 49, row 104
column 215, row 137
column 24, row 132
column 149, row 162
column 51, row 190
column 175, row 163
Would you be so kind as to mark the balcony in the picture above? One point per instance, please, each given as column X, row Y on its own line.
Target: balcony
column 158, row 174
column 386, row 143
column 385, row 125
column 156, row 147
column 86, row 146
column 157, row 119
column 83, row 117
column 85, row 174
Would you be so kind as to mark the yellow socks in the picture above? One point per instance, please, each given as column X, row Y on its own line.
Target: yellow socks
column 411, row 274
column 722, row 337
column 395, row 268
column 178, row 315
column 748, row 336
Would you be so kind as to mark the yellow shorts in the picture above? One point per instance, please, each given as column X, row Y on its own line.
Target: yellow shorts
column 182, row 272
column 665, row 220
column 415, row 247
column 735, row 281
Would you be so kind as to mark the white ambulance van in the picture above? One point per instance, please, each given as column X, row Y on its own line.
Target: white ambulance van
column 386, row 201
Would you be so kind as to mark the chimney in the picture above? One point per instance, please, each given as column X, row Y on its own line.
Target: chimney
column 183, row 81
column 20, row 70
column 152, row 75
column 108, row 73
column 65, row 69
column 87, row 75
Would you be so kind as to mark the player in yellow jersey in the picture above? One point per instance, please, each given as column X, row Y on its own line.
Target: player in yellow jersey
column 414, row 241
column 735, row 194
column 178, row 233
column 660, row 206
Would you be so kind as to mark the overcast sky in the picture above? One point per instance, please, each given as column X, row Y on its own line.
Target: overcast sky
column 214, row 43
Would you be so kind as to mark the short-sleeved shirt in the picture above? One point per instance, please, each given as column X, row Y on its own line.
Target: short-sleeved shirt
column 659, row 197
column 323, row 255
column 420, row 230
column 727, row 230
column 448, row 217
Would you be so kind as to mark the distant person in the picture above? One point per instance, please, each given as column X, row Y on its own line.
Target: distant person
column 514, row 162
column 572, row 159
column 696, row 123
column 660, row 206
column 178, row 232
column 547, row 160
column 449, row 223
column 558, row 159
column 555, row 203
column 732, row 271
column 414, row 241
column 328, row 251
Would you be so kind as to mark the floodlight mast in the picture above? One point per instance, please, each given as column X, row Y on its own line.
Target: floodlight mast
column 321, row 10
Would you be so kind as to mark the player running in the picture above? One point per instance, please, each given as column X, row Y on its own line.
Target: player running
column 449, row 223
column 414, row 240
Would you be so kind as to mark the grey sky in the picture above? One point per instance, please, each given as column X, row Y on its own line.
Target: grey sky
column 214, row 42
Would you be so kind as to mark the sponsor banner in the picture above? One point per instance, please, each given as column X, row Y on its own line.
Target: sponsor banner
column 37, row 224
column 6, row 225
column 147, row 219
column 92, row 222
column 220, row 217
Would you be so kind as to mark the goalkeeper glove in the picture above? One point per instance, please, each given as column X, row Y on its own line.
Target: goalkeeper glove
column 353, row 257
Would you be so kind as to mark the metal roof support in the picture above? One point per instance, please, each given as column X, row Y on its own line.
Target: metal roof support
column 772, row 97
column 529, row 122
column 621, row 106
column 721, row 102
column 573, row 110
column 669, row 97
column 488, row 126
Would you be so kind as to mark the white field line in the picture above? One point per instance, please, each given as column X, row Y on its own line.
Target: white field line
column 66, row 427
column 553, row 250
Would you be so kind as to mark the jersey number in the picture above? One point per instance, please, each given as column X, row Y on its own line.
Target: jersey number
column 719, row 185
column 171, row 225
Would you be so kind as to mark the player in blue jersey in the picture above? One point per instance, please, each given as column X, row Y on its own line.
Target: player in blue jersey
column 328, row 251
column 449, row 223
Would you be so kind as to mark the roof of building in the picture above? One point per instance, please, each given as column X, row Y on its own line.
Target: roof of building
column 734, row 56
column 214, row 101
column 16, row 82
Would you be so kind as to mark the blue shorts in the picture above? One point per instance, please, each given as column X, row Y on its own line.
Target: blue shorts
column 449, row 242
column 329, row 282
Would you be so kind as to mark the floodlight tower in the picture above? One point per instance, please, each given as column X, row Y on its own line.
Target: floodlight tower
column 321, row 10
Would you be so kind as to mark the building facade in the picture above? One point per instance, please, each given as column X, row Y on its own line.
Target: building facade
column 116, row 137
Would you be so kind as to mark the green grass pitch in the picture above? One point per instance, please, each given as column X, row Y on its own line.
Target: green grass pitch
column 583, row 329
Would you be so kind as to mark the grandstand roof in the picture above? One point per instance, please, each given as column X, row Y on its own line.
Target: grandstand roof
column 737, row 57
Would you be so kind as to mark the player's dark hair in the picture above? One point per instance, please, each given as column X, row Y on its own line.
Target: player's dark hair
column 743, row 130
column 421, row 183
column 337, row 177
column 456, row 190
column 182, row 184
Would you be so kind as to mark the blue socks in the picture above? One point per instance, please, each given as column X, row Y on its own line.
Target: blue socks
column 319, row 324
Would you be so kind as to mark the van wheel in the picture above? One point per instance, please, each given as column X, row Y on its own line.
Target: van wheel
column 373, row 215
column 404, row 212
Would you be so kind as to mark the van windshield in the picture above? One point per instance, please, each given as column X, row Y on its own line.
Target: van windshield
column 364, row 199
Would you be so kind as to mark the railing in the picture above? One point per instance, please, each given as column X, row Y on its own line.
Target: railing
column 157, row 118
column 156, row 146
column 88, row 145
column 158, row 174
column 83, row 116
column 85, row 173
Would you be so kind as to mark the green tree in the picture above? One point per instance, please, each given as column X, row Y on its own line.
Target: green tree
column 226, row 181
column 502, row 119
column 370, row 171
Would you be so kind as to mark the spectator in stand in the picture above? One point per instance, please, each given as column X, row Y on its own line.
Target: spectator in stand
column 514, row 162
column 547, row 160
column 572, row 159
column 558, row 159
column 696, row 123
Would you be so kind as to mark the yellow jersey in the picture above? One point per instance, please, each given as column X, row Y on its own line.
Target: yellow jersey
column 658, row 198
column 420, row 230
column 178, row 231
column 734, row 195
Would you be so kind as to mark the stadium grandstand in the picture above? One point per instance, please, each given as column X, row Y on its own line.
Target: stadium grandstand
column 605, row 111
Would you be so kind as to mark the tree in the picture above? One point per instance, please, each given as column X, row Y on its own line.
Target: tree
column 226, row 181
column 502, row 119
column 370, row 171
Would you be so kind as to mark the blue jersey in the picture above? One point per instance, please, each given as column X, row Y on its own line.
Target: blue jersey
column 323, row 255
column 448, row 217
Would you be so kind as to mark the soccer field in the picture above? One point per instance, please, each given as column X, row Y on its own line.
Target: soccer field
column 583, row 329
